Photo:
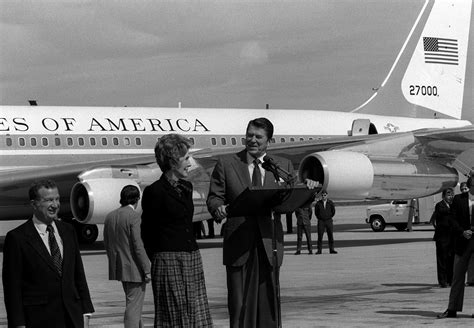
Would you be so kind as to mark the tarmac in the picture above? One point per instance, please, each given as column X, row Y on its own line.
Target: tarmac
column 384, row 279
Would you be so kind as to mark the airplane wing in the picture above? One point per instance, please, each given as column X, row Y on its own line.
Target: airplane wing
column 394, row 166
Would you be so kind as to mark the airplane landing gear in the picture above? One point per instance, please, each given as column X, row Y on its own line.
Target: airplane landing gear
column 86, row 233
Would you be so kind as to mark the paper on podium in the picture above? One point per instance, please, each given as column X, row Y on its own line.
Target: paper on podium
column 256, row 201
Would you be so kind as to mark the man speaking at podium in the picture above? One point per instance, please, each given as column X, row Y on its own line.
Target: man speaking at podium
column 247, row 252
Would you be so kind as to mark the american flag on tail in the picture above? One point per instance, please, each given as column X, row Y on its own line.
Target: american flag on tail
column 440, row 51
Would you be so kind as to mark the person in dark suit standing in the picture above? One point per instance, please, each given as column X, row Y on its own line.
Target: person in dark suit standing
column 43, row 276
column 303, row 224
column 177, row 273
column 325, row 211
column 128, row 261
column 463, row 228
column 470, row 271
column 247, row 249
column 442, row 220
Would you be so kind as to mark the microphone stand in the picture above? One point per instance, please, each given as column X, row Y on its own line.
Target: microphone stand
column 289, row 181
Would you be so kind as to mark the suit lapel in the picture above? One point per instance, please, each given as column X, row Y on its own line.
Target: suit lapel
column 68, row 244
column 35, row 240
column 241, row 167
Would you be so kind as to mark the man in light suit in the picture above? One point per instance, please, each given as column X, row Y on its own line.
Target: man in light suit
column 128, row 261
column 43, row 276
column 463, row 227
column 247, row 252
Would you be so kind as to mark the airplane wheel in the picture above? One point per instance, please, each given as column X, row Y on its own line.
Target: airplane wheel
column 86, row 233
column 377, row 223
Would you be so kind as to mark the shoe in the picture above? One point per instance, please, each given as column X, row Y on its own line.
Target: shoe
column 447, row 314
column 318, row 252
column 332, row 252
column 310, row 253
column 297, row 253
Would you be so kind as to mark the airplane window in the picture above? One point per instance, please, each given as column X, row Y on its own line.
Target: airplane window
column 138, row 141
column 301, row 139
column 243, row 141
column 213, row 141
column 272, row 140
column 44, row 141
column 92, row 141
column 57, row 141
column 22, row 142
column 104, row 141
column 192, row 141
column 33, row 142
column 310, row 138
column 115, row 141
column 233, row 141
column 80, row 141
column 282, row 140
column 223, row 141
column 9, row 142
column 70, row 142
column 126, row 141
column 292, row 139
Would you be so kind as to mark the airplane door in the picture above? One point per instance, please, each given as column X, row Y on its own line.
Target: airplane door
column 362, row 127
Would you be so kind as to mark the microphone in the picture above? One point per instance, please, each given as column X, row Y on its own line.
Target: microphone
column 269, row 164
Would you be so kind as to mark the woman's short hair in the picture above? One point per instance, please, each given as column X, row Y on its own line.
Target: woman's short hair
column 169, row 149
column 129, row 195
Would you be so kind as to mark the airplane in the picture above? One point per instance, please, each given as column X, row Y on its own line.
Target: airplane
column 92, row 152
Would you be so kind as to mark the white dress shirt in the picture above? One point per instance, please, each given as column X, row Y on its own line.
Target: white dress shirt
column 41, row 228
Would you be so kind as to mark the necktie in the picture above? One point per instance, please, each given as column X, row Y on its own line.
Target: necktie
column 256, row 175
column 54, row 248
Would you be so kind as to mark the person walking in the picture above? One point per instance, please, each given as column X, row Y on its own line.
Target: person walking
column 126, row 255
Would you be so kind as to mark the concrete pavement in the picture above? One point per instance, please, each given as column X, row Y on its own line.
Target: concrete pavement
column 385, row 279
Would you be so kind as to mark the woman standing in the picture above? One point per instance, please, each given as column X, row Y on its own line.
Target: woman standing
column 179, row 288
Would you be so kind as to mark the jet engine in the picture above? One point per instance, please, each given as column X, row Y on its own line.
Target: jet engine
column 98, row 191
column 92, row 200
column 354, row 176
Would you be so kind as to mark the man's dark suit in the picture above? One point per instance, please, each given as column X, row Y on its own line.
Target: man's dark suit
column 443, row 236
column 242, row 235
column 35, row 294
column 464, row 249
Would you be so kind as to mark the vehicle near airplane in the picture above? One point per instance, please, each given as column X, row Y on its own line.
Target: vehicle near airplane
column 398, row 213
column 92, row 152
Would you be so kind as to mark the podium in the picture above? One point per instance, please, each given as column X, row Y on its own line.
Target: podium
column 255, row 201
column 261, row 201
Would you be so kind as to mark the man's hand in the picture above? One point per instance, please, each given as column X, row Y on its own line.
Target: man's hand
column 467, row 234
column 220, row 213
column 311, row 184
column 147, row 278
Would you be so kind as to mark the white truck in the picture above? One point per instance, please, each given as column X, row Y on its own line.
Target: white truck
column 399, row 213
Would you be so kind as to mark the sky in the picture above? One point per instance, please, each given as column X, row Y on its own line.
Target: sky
column 324, row 54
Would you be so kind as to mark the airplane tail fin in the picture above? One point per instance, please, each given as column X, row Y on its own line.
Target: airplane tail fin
column 428, row 77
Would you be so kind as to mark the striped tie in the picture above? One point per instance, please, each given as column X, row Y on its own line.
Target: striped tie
column 54, row 248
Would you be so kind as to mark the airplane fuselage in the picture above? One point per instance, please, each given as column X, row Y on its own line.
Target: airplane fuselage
column 45, row 136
